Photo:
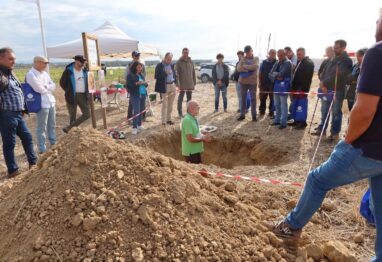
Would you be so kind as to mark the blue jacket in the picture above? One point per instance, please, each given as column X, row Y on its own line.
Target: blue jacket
column 68, row 83
column 132, row 86
column 160, row 76
column 283, row 70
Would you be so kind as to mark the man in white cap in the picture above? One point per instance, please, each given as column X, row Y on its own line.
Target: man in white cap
column 41, row 82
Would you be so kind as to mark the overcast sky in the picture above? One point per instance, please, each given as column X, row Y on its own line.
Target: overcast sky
column 206, row 27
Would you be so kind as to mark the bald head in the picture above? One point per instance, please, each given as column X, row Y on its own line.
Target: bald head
column 193, row 108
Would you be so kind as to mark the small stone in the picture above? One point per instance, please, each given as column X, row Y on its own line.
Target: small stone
column 230, row 187
column 77, row 219
column 137, row 254
column 91, row 223
column 359, row 238
column 336, row 251
column 45, row 258
column 120, row 174
column 314, row 252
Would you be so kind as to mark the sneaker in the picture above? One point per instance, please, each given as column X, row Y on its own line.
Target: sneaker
column 14, row 174
column 241, row 118
column 134, row 131
column 284, row 231
column 282, row 127
column 141, row 128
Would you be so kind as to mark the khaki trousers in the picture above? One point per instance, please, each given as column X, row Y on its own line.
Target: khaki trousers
column 167, row 103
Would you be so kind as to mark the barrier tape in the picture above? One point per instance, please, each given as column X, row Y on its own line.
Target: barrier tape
column 250, row 178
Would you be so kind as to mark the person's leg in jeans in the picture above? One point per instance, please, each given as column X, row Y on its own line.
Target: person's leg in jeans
column 141, row 108
column 284, row 110
column 277, row 103
column 51, row 126
column 8, row 126
column 345, row 165
column 336, row 116
column 243, row 91
column 217, row 96
column 238, row 93
column 165, row 99
column 252, row 89
column 25, row 136
column 41, row 127
column 180, row 102
column 224, row 95
column 325, row 105
column 136, row 103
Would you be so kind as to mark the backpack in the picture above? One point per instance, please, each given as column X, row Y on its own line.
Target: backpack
column 32, row 98
column 365, row 209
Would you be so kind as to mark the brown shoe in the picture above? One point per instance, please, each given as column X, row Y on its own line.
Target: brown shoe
column 13, row 174
column 284, row 231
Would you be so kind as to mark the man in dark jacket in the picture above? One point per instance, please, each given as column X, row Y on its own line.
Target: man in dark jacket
column 335, row 79
column 353, row 78
column 12, row 109
column 165, row 85
column 220, row 79
column 74, row 81
column 265, row 84
column 301, row 81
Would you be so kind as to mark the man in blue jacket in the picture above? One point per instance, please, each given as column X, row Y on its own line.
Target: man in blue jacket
column 74, row 81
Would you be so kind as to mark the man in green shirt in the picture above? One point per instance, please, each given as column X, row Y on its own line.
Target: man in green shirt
column 192, row 138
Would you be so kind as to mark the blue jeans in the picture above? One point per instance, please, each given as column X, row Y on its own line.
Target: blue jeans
column 223, row 90
column 137, row 102
column 238, row 93
column 12, row 124
column 325, row 105
column 345, row 166
column 46, row 123
column 281, row 105
column 337, row 112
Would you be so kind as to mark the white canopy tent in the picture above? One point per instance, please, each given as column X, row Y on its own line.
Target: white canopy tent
column 113, row 43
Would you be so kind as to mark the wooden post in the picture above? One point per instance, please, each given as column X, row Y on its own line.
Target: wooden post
column 104, row 118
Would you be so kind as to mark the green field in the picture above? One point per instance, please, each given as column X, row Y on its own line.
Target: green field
column 56, row 72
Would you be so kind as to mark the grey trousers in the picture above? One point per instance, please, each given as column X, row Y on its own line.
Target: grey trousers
column 82, row 101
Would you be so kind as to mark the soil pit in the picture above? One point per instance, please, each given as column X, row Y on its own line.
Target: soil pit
column 226, row 151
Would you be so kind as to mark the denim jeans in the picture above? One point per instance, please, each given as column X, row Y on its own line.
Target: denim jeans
column 223, row 90
column 325, row 105
column 238, row 93
column 337, row 112
column 130, row 109
column 46, row 123
column 345, row 165
column 281, row 105
column 137, row 102
column 244, row 89
column 12, row 124
column 180, row 99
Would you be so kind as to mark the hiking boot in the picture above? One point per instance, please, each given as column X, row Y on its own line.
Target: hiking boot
column 241, row 118
column 13, row 174
column 254, row 119
column 333, row 137
column 284, row 231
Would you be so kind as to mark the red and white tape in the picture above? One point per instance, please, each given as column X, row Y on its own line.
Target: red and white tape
column 250, row 178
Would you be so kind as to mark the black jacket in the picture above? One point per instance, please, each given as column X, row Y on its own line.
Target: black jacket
column 344, row 66
column 321, row 70
column 132, row 86
column 68, row 83
column 235, row 76
column 225, row 79
column 303, row 74
column 160, row 76
column 352, row 82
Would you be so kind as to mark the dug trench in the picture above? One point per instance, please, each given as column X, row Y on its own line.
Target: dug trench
column 227, row 151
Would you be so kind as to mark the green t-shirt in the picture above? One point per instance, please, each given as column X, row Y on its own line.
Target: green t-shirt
column 190, row 126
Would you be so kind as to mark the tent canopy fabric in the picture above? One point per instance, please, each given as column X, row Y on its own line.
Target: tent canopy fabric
column 113, row 43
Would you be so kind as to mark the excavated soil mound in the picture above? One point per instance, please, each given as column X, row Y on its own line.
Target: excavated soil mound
column 226, row 151
column 91, row 199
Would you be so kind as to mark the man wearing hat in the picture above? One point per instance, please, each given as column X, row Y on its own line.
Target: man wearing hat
column 248, row 67
column 74, row 81
column 41, row 82
column 136, row 55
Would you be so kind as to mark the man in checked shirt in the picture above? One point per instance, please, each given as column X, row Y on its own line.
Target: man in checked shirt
column 12, row 109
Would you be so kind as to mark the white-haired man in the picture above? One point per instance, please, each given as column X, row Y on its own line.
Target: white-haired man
column 41, row 82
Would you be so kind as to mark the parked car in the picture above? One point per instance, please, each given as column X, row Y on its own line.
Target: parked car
column 204, row 73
